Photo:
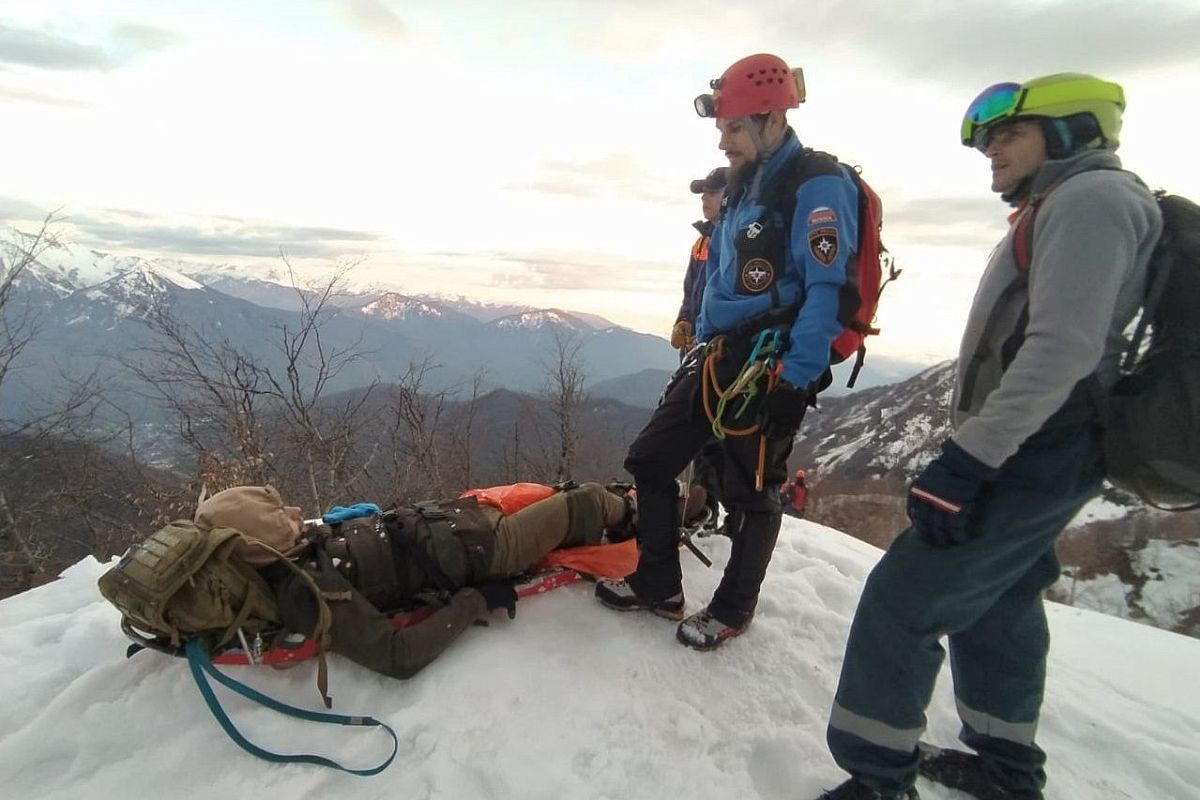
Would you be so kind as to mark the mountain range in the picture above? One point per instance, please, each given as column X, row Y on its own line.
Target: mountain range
column 91, row 309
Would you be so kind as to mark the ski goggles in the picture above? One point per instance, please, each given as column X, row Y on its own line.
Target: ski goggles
column 995, row 102
column 1007, row 100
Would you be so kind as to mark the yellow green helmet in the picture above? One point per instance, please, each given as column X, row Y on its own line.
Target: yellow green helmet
column 1084, row 110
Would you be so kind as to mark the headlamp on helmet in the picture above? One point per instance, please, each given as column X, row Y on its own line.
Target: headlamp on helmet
column 754, row 85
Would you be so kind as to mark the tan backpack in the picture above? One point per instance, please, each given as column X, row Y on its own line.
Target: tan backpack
column 189, row 581
column 182, row 582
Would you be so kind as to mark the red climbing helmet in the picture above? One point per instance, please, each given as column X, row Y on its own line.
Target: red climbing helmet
column 753, row 85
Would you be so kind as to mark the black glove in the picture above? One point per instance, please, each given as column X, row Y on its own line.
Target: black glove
column 499, row 594
column 943, row 497
column 786, row 405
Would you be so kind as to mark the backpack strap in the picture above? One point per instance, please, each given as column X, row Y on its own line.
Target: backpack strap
column 202, row 668
column 406, row 545
column 320, row 634
column 780, row 194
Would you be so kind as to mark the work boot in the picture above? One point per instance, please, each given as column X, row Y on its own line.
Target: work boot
column 703, row 631
column 621, row 596
column 969, row 773
column 854, row 789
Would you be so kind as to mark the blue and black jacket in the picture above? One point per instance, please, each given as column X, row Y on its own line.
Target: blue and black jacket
column 758, row 261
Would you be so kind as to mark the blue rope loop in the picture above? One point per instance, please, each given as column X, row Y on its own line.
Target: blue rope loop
column 201, row 666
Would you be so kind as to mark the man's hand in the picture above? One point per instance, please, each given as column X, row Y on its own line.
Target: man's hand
column 942, row 498
column 499, row 593
column 786, row 405
column 683, row 336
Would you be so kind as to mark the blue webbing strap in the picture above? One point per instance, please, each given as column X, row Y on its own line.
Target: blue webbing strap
column 200, row 664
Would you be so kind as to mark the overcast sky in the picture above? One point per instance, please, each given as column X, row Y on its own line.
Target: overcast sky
column 538, row 151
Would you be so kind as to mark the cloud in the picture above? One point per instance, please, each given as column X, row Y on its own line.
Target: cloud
column 145, row 38
column 245, row 239
column 614, row 174
column 1013, row 39
column 954, row 221
column 33, row 48
column 24, row 96
column 44, row 49
column 572, row 272
column 373, row 17
column 13, row 209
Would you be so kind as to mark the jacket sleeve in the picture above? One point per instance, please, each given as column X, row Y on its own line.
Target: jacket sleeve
column 824, row 239
column 1086, row 244
column 687, row 309
column 364, row 634
column 706, row 276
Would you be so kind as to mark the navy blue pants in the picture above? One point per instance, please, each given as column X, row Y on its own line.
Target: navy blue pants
column 986, row 597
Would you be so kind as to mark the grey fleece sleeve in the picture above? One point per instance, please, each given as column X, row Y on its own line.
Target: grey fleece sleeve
column 1085, row 245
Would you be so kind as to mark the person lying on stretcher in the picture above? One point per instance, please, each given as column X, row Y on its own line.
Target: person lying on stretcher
column 459, row 556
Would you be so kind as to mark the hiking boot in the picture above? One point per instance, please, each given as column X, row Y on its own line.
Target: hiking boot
column 968, row 773
column 703, row 631
column 621, row 596
column 854, row 789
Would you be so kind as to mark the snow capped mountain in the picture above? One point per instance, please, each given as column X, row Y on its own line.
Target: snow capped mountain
column 133, row 291
column 543, row 318
column 393, row 305
column 890, row 430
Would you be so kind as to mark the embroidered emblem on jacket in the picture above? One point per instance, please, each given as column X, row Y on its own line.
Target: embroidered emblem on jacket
column 757, row 275
column 823, row 244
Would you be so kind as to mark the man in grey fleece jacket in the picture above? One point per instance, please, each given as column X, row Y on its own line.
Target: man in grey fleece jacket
column 1043, row 337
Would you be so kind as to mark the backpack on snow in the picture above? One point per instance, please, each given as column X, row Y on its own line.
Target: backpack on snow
column 865, row 280
column 186, row 591
column 1151, row 417
column 184, row 582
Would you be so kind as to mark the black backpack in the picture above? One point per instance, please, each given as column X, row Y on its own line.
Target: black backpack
column 1151, row 417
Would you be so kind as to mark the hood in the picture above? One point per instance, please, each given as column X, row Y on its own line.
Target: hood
column 256, row 511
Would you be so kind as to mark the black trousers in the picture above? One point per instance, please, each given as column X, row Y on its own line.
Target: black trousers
column 676, row 432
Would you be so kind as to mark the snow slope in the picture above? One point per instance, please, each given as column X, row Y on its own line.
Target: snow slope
column 570, row 700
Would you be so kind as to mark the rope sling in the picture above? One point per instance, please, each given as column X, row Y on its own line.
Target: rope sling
column 762, row 361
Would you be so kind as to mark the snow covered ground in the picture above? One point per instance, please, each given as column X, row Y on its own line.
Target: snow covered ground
column 570, row 700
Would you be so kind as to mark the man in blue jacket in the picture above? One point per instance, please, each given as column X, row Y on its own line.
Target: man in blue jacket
column 777, row 260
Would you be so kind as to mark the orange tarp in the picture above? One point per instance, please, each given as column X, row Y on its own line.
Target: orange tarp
column 512, row 498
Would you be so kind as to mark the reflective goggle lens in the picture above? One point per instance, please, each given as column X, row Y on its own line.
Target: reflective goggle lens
column 992, row 104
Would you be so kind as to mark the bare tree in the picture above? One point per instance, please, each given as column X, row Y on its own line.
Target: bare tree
column 462, row 435
column 18, row 322
column 323, row 435
column 17, row 329
column 564, row 389
column 213, row 391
